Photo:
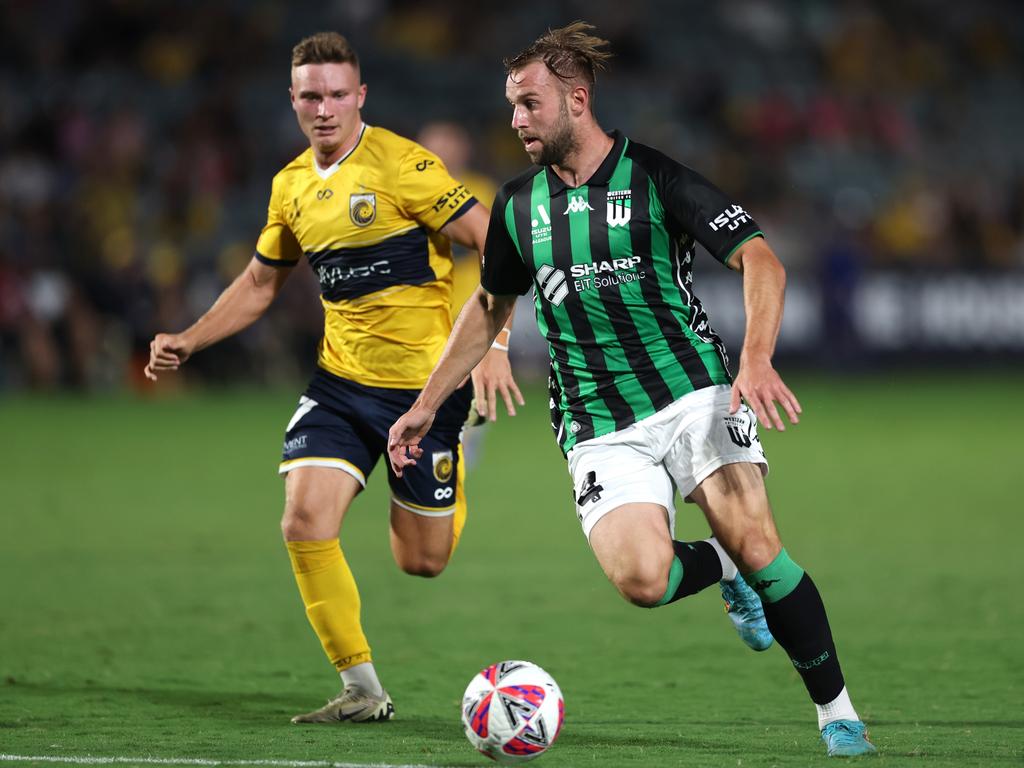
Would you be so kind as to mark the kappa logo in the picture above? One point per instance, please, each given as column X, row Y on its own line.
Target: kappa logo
column 620, row 203
column 362, row 208
column 553, row 285
column 577, row 205
column 763, row 584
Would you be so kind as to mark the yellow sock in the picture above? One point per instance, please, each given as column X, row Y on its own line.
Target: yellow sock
column 331, row 598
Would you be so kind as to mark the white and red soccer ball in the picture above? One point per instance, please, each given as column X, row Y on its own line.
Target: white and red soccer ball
column 512, row 711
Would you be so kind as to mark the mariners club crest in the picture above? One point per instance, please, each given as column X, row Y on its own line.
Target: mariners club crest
column 362, row 208
column 444, row 464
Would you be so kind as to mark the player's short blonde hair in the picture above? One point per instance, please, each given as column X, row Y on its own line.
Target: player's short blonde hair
column 570, row 53
column 324, row 48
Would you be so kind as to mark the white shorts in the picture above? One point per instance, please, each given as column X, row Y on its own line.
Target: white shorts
column 673, row 449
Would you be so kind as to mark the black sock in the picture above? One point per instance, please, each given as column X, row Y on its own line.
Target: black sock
column 695, row 566
column 800, row 626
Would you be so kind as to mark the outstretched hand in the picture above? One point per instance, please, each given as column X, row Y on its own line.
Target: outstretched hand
column 167, row 352
column 491, row 377
column 761, row 386
column 404, row 438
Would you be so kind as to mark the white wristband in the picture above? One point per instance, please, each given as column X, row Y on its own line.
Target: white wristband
column 497, row 345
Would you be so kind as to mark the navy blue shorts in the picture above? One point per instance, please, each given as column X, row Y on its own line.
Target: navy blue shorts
column 344, row 425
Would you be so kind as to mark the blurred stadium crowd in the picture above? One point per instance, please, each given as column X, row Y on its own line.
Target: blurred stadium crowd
column 139, row 139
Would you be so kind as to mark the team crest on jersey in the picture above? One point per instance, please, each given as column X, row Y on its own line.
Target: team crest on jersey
column 619, row 205
column 443, row 466
column 362, row 208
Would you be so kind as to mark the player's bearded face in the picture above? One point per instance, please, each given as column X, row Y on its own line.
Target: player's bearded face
column 540, row 114
column 558, row 142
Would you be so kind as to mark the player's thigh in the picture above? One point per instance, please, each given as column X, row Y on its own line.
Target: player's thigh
column 624, row 505
column 634, row 548
column 428, row 505
column 316, row 500
column 421, row 544
column 326, row 460
column 734, row 500
column 609, row 472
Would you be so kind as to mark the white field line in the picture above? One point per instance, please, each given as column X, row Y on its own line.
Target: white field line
column 123, row 760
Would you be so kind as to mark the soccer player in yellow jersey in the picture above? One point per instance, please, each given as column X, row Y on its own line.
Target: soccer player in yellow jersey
column 373, row 213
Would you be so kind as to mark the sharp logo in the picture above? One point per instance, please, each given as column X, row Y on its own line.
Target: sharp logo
column 731, row 218
column 619, row 207
column 597, row 267
column 552, row 283
column 577, row 205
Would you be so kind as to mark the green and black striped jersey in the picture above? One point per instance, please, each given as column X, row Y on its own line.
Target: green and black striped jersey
column 611, row 267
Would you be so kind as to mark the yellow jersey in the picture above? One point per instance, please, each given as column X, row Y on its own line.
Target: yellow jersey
column 369, row 226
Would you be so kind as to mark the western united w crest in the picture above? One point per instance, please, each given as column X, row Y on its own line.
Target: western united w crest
column 619, row 205
column 362, row 208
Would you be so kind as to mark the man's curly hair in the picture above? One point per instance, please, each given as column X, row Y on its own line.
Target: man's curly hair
column 570, row 53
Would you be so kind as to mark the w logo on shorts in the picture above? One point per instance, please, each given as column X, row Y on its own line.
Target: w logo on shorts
column 742, row 428
column 738, row 436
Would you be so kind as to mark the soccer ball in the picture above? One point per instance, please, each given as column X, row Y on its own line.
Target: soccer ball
column 512, row 711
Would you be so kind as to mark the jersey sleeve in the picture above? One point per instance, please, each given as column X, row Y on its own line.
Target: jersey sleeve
column 702, row 210
column 277, row 245
column 426, row 191
column 503, row 272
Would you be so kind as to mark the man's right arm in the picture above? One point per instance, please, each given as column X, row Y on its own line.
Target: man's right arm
column 483, row 316
column 238, row 307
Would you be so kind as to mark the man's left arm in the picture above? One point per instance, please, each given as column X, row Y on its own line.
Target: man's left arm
column 493, row 375
column 757, row 382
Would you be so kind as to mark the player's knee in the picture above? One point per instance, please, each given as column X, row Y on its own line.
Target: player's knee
column 298, row 523
column 642, row 589
column 423, row 564
column 756, row 550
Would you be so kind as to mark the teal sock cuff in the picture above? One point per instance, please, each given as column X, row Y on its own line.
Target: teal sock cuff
column 675, row 578
column 777, row 579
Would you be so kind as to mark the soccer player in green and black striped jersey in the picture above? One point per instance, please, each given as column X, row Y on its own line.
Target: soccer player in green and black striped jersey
column 603, row 229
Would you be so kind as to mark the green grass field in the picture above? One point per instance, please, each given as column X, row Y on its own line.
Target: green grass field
column 148, row 609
